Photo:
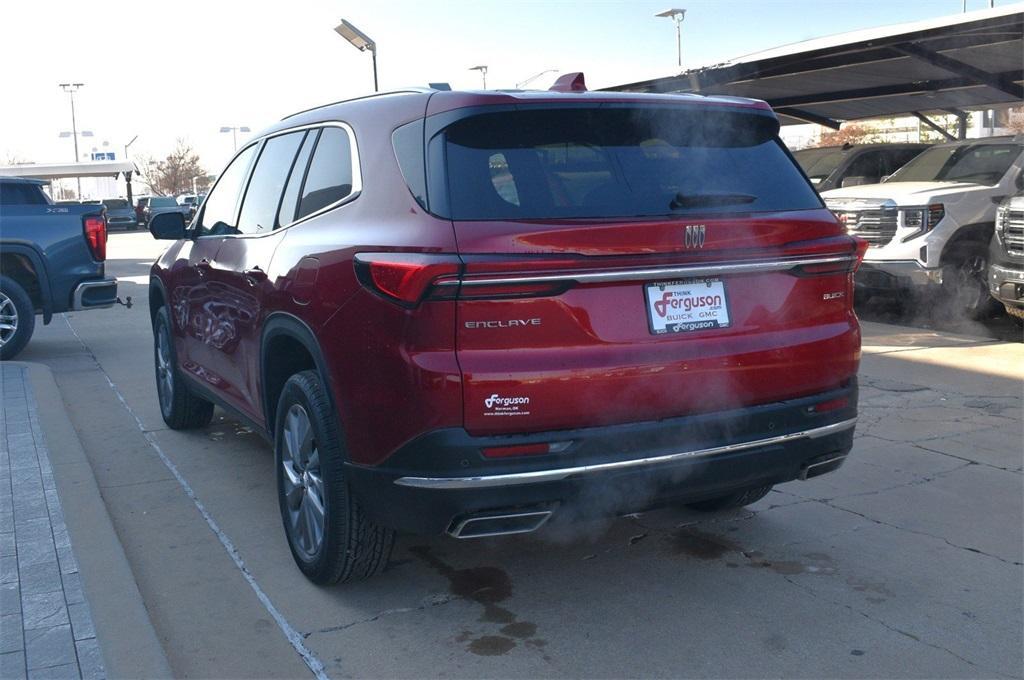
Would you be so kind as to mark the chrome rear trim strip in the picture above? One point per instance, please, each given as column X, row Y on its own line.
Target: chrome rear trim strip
column 686, row 271
column 538, row 476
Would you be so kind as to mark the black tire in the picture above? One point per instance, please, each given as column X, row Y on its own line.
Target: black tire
column 965, row 284
column 351, row 547
column 737, row 499
column 180, row 406
column 17, row 318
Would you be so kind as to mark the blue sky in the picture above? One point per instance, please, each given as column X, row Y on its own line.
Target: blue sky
column 163, row 70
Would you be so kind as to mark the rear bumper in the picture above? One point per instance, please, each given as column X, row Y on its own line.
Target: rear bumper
column 896, row 275
column 439, row 480
column 94, row 294
column 1007, row 285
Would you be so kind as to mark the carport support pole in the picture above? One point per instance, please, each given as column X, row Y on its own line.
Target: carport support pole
column 128, row 184
column 961, row 125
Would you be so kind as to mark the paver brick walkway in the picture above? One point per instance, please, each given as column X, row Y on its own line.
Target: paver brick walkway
column 46, row 630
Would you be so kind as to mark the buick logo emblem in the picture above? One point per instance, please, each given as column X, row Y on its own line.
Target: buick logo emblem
column 695, row 235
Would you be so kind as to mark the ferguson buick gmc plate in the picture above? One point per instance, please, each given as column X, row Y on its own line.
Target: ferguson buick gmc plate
column 688, row 305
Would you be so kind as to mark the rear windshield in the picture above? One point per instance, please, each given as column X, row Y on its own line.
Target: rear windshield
column 974, row 163
column 619, row 162
column 819, row 163
column 162, row 202
column 115, row 203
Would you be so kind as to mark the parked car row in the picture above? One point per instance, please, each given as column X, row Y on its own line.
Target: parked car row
column 931, row 226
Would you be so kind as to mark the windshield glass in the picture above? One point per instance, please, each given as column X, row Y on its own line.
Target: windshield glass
column 974, row 163
column 818, row 164
column 162, row 202
column 115, row 203
column 619, row 162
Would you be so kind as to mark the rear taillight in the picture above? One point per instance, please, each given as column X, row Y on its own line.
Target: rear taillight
column 95, row 228
column 845, row 264
column 405, row 278
column 862, row 249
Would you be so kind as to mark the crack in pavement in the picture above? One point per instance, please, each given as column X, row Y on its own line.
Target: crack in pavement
column 434, row 601
column 874, row 619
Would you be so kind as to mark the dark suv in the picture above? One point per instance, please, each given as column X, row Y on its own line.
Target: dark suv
column 463, row 312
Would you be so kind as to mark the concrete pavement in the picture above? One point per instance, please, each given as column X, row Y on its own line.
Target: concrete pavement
column 905, row 563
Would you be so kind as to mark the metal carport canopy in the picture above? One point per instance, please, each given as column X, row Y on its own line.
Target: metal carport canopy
column 65, row 170
column 945, row 65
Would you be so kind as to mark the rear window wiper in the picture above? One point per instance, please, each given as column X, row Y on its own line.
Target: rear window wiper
column 683, row 201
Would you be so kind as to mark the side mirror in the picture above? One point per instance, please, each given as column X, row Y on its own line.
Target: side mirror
column 167, row 226
column 857, row 180
column 1020, row 180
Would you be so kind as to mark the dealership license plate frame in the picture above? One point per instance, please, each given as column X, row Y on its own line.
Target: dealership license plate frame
column 712, row 285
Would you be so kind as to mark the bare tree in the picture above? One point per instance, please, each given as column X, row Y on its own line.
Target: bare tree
column 172, row 175
column 849, row 133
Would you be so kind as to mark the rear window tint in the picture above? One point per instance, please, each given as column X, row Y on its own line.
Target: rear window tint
column 618, row 162
column 329, row 178
column 116, row 203
column 15, row 193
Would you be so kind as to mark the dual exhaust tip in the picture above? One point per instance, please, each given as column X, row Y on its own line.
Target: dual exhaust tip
column 499, row 524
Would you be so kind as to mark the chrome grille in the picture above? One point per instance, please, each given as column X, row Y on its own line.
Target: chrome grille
column 1013, row 232
column 876, row 226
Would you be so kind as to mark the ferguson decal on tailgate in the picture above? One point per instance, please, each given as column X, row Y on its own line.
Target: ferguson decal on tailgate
column 497, row 405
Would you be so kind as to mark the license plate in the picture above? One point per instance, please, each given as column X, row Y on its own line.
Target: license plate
column 688, row 305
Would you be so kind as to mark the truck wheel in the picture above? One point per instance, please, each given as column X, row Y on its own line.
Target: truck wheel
column 964, row 282
column 330, row 537
column 180, row 406
column 17, row 318
column 737, row 499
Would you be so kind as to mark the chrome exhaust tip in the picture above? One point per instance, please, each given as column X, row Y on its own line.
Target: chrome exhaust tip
column 821, row 466
column 499, row 524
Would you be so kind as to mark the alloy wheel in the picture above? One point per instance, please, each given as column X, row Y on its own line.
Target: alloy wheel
column 8, row 319
column 164, row 368
column 303, row 485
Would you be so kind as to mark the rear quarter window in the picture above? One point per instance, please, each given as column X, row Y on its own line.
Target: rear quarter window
column 618, row 162
column 16, row 193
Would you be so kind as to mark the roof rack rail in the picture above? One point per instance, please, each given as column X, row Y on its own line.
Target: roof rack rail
column 407, row 90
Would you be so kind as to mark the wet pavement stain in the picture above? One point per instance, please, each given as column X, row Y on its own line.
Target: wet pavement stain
column 487, row 586
column 519, row 629
column 703, row 546
column 492, row 645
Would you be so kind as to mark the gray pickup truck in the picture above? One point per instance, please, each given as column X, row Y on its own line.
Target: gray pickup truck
column 51, row 260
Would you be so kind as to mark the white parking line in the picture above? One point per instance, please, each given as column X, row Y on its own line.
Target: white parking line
column 294, row 637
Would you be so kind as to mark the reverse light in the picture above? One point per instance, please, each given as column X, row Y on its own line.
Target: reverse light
column 95, row 229
column 404, row 277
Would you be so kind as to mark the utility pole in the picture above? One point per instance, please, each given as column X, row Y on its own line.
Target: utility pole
column 71, row 89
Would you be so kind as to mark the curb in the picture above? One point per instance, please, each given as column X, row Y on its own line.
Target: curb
column 126, row 636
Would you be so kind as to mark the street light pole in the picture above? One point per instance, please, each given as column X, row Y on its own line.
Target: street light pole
column 71, row 89
column 234, row 130
column 360, row 41
column 483, row 72
column 677, row 16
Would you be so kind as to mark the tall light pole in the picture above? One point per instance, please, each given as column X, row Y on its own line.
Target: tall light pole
column 360, row 41
column 71, row 89
column 483, row 72
column 129, row 144
column 676, row 15
column 234, row 130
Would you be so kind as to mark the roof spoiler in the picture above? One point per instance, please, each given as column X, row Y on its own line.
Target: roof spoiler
column 570, row 82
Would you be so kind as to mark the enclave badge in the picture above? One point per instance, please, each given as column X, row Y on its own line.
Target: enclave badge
column 695, row 235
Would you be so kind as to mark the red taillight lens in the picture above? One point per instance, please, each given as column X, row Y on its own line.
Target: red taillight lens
column 95, row 228
column 862, row 248
column 831, row 405
column 405, row 277
column 520, row 450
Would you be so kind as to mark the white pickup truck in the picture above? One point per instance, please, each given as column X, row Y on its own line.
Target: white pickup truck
column 929, row 224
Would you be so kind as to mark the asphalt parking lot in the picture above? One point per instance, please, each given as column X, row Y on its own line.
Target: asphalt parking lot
column 905, row 563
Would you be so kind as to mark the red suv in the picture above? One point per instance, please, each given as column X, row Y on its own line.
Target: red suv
column 463, row 312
